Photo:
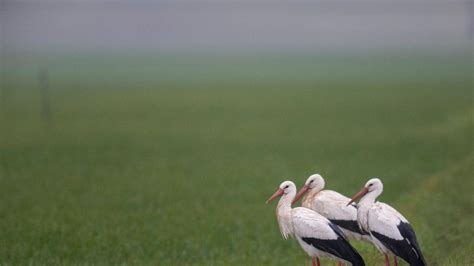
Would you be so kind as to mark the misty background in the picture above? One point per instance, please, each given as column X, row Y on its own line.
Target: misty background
column 31, row 27
column 142, row 44
column 151, row 132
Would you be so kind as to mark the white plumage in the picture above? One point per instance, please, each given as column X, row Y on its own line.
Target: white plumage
column 385, row 219
column 391, row 233
column 331, row 205
column 309, row 224
column 316, row 234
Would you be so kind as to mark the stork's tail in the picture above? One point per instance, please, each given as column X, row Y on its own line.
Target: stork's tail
column 348, row 252
column 356, row 259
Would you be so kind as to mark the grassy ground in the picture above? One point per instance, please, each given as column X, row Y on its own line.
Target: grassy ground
column 176, row 172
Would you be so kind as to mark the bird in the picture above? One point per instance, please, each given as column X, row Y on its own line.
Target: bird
column 333, row 206
column 318, row 236
column 391, row 233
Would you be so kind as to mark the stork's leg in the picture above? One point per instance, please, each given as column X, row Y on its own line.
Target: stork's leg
column 315, row 261
column 387, row 261
column 395, row 260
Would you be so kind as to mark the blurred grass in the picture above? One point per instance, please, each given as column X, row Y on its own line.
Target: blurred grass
column 150, row 168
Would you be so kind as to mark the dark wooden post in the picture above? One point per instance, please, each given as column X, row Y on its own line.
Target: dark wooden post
column 3, row 89
column 43, row 81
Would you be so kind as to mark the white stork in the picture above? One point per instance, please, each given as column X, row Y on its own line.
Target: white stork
column 333, row 206
column 390, row 231
column 316, row 234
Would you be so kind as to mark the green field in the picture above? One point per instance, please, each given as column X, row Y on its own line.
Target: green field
column 170, row 163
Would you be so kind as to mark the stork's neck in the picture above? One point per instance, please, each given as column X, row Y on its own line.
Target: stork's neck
column 284, row 204
column 369, row 198
column 308, row 198
column 284, row 214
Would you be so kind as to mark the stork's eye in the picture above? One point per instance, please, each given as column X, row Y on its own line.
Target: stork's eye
column 311, row 181
column 370, row 185
column 286, row 186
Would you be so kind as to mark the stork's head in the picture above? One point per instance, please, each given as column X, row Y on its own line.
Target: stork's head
column 286, row 188
column 374, row 187
column 374, row 184
column 314, row 182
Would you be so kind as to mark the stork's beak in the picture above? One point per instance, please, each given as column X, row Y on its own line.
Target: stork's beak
column 277, row 194
column 300, row 194
column 359, row 195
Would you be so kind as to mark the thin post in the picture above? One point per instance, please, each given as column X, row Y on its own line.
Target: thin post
column 43, row 81
column 3, row 64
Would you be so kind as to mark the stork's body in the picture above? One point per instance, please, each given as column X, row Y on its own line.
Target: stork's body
column 391, row 233
column 333, row 206
column 316, row 234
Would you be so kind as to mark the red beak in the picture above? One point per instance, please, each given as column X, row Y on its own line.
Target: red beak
column 277, row 194
column 300, row 194
column 359, row 195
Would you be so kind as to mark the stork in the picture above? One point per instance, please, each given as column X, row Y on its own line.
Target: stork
column 391, row 233
column 333, row 206
column 315, row 234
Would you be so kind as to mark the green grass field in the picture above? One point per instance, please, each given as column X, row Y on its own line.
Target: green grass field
column 172, row 164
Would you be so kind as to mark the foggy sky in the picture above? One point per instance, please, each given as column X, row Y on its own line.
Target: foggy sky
column 231, row 25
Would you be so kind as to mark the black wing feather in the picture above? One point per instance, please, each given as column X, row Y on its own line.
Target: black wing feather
column 339, row 247
column 407, row 249
column 350, row 225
